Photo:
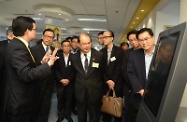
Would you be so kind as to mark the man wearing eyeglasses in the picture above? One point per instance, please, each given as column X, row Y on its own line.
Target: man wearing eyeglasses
column 112, row 56
column 100, row 40
column 46, row 84
column 23, row 72
column 138, row 68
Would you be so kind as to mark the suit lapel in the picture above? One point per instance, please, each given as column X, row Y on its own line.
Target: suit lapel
column 92, row 59
column 41, row 49
column 142, row 61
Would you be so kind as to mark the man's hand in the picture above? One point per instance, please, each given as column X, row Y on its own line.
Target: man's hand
column 46, row 57
column 111, row 84
column 141, row 92
column 53, row 57
column 64, row 82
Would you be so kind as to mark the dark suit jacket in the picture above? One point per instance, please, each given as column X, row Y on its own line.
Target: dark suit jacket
column 38, row 52
column 113, row 69
column 62, row 71
column 3, row 46
column 22, row 76
column 90, row 82
column 137, row 74
column 127, row 85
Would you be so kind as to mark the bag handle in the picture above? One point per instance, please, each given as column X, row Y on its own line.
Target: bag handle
column 114, row 93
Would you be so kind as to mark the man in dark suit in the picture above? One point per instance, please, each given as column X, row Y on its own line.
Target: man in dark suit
column 46, row 84
column 64, row 84
column 3, row 46
column 88, row 80
column 131, row 37
column 138, row 68
column 113, row 56
column 23, row 73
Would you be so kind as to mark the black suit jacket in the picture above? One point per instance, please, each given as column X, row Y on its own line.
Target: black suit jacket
column 3, row 46
column 38, row 52
column 22, row 78
column 62, row 71
column 127, row 86
column 92, row 81
column 137, row 74
column 112, row 71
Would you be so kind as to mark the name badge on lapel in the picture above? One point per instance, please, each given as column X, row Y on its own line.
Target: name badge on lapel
column 113, row 59
column 69, row 63
column 96, row 65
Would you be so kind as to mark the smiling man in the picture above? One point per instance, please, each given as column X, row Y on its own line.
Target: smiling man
column 47, row 83
column 138, row 68
column 88, row 80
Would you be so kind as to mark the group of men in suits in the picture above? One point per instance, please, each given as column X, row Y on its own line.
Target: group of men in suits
column 88, row 73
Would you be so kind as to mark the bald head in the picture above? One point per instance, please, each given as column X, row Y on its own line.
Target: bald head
column 85, row 43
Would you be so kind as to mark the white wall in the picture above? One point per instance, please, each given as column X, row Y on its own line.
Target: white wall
column 166, row 12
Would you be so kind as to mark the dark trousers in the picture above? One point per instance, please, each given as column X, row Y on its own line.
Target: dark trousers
column 126, row 104
column 93, row 110
column 64, row 96
column 44, row 103
column 19, row 118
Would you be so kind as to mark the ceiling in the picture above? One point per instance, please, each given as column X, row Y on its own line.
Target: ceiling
column 115, row 15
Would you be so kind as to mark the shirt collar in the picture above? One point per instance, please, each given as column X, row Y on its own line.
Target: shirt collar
column 88, row 54
column 44, row 45
column 151, row 52
column 25, row 42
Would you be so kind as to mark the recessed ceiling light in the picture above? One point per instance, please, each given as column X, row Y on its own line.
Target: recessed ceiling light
column 92, row 29
column 66, row 19
column 37, row 18
column 39, row 14
column 137, row 17
column 142, row 10
column 133, row 22
column 92, row 19
column 59, row 14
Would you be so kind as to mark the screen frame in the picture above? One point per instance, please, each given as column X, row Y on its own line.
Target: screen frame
column 171, row 99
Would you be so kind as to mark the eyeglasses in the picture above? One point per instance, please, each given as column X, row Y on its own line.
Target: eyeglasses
column 131, row 40
column 48, row 37
column 106, row 37
column 35, row 29
column 145, row 39
column 100, row 38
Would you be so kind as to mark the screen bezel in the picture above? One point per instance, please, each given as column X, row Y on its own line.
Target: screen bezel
column 181, row 29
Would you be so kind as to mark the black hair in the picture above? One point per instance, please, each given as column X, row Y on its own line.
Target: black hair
column 75, row 37
column 64, row 42
column 131, row 32
column 48, row 29
column 124, row 43
column 144, row 30
column 100, row 33
column 20, row 24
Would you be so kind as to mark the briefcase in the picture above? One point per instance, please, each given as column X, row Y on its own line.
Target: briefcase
column 111, row 104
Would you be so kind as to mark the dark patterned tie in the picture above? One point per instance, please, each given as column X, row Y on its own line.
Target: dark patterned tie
column 86, row 63
column 46, row 49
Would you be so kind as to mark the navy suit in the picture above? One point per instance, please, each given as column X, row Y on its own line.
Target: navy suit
column 137, row 77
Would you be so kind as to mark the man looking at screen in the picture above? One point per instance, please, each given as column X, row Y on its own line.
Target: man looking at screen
column 138, row 68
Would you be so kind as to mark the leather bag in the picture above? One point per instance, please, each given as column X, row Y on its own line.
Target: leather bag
column 111, row 104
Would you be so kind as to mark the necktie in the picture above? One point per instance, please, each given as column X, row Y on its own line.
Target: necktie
column 86, row 63
column 46, row 49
